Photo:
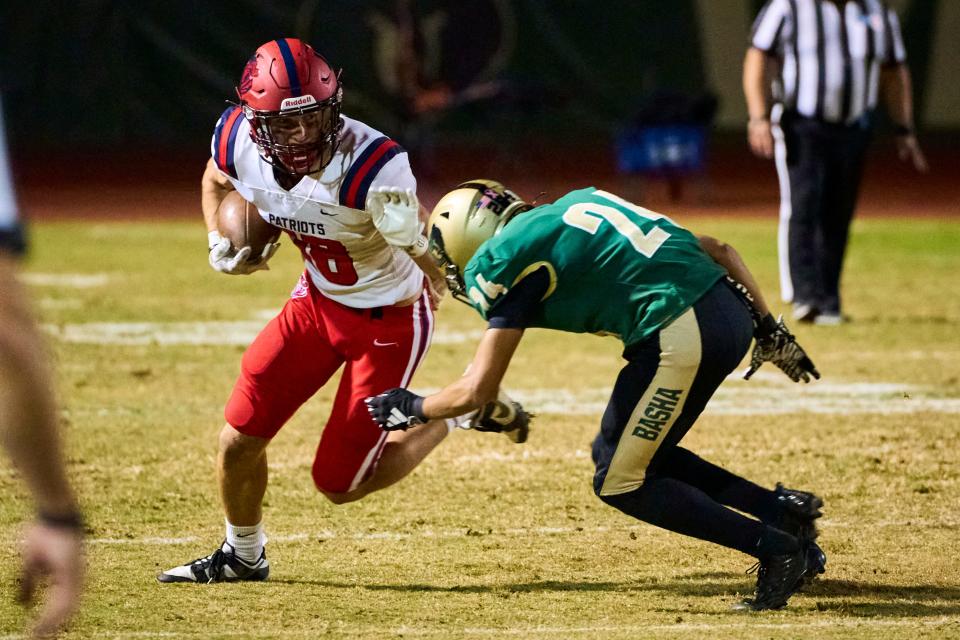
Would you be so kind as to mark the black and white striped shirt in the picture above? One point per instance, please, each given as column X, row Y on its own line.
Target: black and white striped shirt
column 11, row 233
column 830, row 53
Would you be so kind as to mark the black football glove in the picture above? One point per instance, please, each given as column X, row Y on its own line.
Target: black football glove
column 396, row 409
column 777, row 345
column 502, row 416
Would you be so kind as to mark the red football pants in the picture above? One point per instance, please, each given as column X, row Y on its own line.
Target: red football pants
column 299, row 351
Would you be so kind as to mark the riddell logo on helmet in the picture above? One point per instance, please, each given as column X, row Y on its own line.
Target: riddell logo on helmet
column 293, row 103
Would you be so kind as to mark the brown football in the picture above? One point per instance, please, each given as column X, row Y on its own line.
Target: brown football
column 240, row 222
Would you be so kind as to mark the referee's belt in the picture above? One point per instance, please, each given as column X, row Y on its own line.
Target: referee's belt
column 863, row 123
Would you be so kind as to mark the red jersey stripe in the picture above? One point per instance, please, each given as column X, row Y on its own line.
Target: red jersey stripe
column 385, row 146
column 223, row 158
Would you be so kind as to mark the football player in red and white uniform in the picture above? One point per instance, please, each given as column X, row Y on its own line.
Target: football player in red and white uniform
column 345, row 195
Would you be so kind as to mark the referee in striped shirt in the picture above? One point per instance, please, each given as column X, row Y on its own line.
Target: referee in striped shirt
column 812, row 77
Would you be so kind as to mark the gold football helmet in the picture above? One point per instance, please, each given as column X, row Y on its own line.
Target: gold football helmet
column 463, row 220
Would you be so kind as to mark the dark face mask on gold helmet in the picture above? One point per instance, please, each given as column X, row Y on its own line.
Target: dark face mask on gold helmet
column 463, row 220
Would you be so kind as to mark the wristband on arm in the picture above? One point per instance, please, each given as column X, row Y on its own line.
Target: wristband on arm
column 72, row 520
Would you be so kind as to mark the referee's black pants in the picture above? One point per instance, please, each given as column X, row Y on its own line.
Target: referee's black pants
column 820, row 166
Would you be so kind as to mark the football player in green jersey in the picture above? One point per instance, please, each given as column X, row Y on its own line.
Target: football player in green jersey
column 686, row 308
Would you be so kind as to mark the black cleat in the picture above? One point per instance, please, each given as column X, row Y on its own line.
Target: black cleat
column 816, row 564
column 798, row 513
column 219, row 566
column 816, row 560
column 778, row 578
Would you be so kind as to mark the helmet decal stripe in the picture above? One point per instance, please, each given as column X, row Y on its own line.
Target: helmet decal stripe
column 224, row 140
column 353, row 189
column 291, row 66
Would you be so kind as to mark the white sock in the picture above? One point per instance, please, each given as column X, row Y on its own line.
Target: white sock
column 247, row 542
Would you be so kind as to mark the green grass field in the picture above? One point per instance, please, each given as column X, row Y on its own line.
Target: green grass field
column 488, row 539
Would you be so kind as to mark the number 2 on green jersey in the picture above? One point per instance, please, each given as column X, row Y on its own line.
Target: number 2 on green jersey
column 588, row 217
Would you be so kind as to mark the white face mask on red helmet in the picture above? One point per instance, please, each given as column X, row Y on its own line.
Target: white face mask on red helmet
column 291, row 97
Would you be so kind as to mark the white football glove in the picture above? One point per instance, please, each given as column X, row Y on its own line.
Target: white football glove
column 395, row 214
column 237, row 264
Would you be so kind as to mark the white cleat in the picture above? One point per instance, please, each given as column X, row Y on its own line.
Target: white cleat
column 220, row 566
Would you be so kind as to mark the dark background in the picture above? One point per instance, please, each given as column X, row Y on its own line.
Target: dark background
column 108, row 73
column 111, row 90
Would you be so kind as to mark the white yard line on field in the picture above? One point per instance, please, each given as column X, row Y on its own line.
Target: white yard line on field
column 148, row 542
column 67, row 280
column 769, row 393
column 60, row 303
column 238, row 332
column 243, row 331
column 764, row 396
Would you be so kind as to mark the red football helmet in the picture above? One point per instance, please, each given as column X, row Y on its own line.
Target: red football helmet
column 291, row 97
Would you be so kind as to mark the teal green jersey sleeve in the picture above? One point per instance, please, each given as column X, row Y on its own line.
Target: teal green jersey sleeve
column 615, row 268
